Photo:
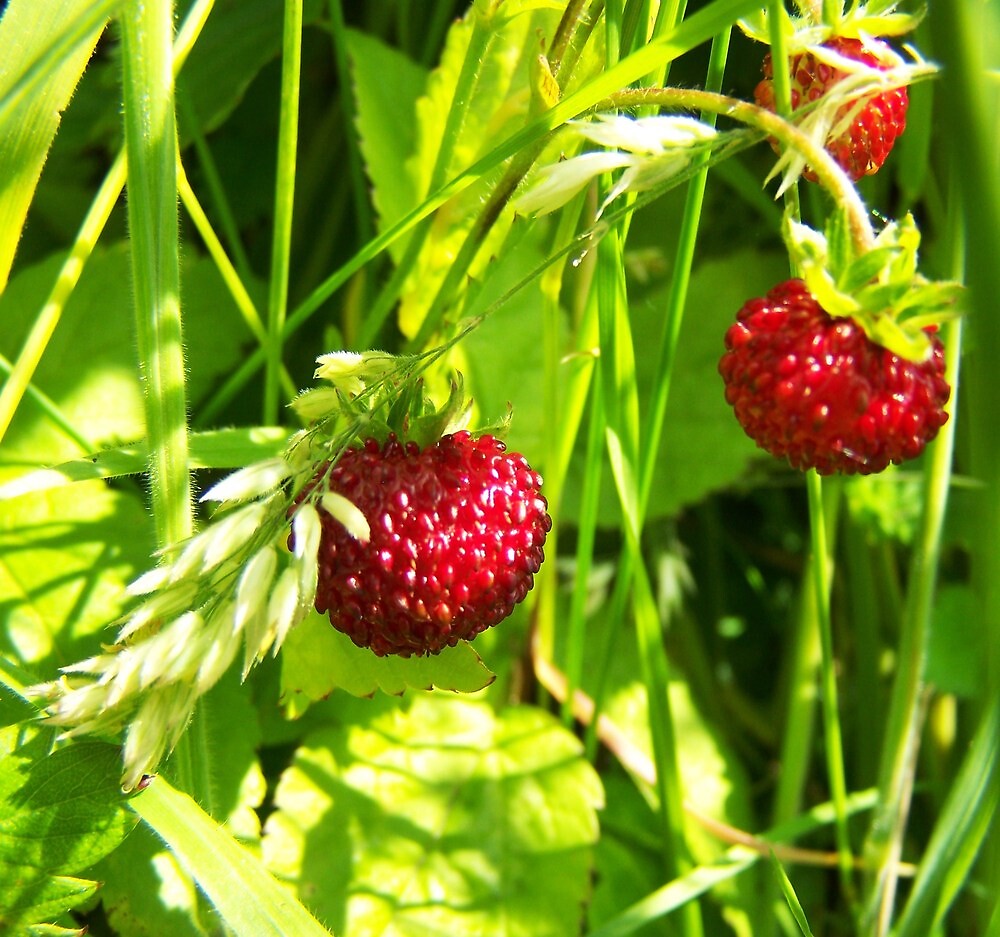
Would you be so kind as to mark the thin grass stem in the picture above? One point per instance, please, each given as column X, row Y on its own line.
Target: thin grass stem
column 151, row 147
column 284, row 199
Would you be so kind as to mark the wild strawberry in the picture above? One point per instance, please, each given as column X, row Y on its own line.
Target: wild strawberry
column 456, row 535
column 862, row 147
column 814, row 389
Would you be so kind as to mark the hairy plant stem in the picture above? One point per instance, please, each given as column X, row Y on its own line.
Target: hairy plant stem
column 828, row 173
column 151, row 147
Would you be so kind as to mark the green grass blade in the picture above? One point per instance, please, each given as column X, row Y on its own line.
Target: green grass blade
column 216, row 449
column 696, row 29
column 819, row 568
column 734, row 861
column 959, row 832
column 151, row 148
column 46, row 49
column 792, row 900
column 284, row 196
column 90, row 230
column 249, row 901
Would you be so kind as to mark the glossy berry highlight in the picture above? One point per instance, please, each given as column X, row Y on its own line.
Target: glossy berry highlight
column 864, row 145
column 457, row 534
column 815, row 390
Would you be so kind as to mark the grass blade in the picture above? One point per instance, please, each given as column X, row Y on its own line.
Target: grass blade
column 248, row 899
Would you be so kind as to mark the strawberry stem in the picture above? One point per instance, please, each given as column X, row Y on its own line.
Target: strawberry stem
column 828, row 173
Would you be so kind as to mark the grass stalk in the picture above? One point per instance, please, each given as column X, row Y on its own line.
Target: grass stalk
column 897, row 771
column 284, row 199
column 820, row 562
column 151, row 147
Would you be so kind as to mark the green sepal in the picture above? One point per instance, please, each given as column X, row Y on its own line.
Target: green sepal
column 880, row 288
column 874, row 19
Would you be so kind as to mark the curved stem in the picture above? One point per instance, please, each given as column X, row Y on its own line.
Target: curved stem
column 828, row 173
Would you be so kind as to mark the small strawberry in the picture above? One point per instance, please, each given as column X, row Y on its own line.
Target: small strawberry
column 815, row 389
column 860, row 147
column 456, row 536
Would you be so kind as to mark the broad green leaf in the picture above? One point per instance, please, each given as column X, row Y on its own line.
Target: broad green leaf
column 65, row 808
column 239, row 39
column 439, row 818
column 248, row 900
column 62, row 812
column 65, row 559
column 89, row 368
column 386, row 86
column 212, row 449
column 464, row 111
column 28, row 127
column 49, row 898
column 955, row 661
column 316, row 659
column 503, row 360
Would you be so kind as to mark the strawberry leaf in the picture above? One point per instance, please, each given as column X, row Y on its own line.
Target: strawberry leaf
column 439, row 817
column 63, row 811
column 316, row 659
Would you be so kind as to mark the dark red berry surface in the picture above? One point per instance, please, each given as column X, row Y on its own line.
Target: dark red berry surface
column 863, row 147
column 457, row 531
column 814, row 389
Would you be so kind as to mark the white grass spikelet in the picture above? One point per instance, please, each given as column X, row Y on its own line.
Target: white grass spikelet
column 347, row 513
column 249, row 482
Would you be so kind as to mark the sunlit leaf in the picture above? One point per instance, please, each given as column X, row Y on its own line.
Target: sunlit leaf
column 316, row 659
column 439, row 818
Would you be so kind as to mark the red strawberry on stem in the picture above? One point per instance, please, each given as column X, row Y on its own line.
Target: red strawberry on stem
column 815, row 389
column 456, row 535
column 860, row 147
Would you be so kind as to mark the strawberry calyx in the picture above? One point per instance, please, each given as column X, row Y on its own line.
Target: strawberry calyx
column 810, row 29
column 878, row 287
column 373, row 395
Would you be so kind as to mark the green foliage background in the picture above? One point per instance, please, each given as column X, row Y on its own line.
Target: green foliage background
column 467, row 794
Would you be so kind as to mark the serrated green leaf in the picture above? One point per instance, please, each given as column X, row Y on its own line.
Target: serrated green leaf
column 239, row 39
column 316, row 659
column 440, row 818
column 29, row 124
column 248, row 900
column 48, row 898
column 462, row 114
column 65, row 559
column 386, row 87
column 90, row 372
column 63, row 811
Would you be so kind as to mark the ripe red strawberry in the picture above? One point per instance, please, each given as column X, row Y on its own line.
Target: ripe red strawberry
column 457, row 531
column 863, row 147
column 816, row 390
